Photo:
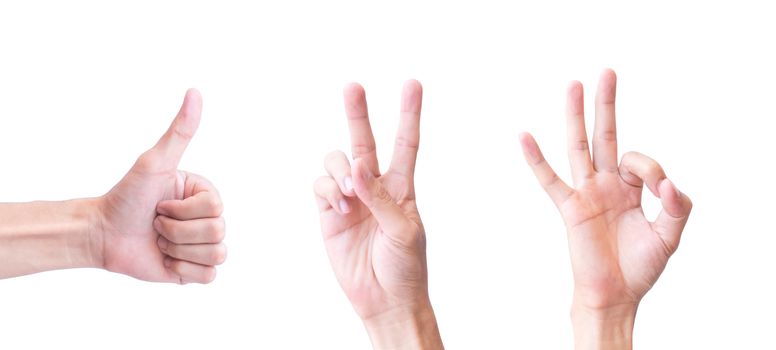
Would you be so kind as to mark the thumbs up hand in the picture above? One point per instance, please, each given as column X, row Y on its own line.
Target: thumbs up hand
column 159, row 223
column 372, row 229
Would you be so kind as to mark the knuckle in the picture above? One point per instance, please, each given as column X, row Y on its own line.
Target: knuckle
column 320, row 184
column 172, row 250
column 327, row 188
column 217, row 230
column 363, row 148
column 654, row 167
column 609, row 135
column 638, row 161
column 630, row 154
column 219, row 254
column 552, row 180
column 175, row 266
column 149, row 160
column 405, row 142
column 181, row 132
column 580, row 145
column 215, row 205
column 333, row 156
column 169, row 230
column 669, row 248
column 209, row 275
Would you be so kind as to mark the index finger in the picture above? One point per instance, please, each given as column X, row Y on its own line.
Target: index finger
column 408, row 137
column 361, row 139
column 579, row 153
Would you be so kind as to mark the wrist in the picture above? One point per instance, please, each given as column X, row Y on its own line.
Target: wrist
column 87, row 238
column 603, row 327
column 407, row 327
column 86, row 213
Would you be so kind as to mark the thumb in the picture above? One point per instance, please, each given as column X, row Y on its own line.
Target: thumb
column 676, row 210
column 170, row 147
column 380, row 203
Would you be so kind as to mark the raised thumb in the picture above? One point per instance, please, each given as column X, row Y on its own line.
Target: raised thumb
column 170, row 147
column 676, row 210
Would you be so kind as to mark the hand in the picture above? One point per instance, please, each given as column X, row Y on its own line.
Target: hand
column 372, row 229
column 161, row 224
column 617, row 255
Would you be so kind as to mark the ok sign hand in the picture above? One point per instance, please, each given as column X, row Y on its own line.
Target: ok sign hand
column 617, row 255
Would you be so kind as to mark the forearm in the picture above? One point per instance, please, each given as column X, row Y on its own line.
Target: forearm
column 42, row 236
column 405, row 328
column 610, row 329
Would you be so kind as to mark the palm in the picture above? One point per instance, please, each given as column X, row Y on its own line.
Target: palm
column 130, row 208
column 371, row 268
column 608, row 232
column 376, row 244
column 616, row 253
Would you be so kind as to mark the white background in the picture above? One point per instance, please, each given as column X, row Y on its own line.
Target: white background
column 86, row 86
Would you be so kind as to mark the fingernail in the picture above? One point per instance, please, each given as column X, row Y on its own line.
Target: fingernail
column 348, row 182
column 162, row 243
column 344, row 207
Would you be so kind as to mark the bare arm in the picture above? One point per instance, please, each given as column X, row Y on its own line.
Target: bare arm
column 42, row 236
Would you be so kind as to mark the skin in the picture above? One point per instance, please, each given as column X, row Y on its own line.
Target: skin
column 617, row 255
column 372, row 229
column 157, row 224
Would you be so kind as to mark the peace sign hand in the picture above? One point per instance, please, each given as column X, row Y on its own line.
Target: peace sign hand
column 372, row 229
